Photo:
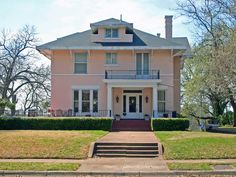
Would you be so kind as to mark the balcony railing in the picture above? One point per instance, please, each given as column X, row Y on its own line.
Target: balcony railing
column 132, row 74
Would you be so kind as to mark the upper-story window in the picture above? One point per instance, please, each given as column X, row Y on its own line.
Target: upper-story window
column 80, row 65
column 111, row 58
column 111, row 33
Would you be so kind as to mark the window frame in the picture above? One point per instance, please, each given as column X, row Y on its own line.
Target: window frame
column 81, row 62
column 78, row 101
column 111, row 59
column 111, row 36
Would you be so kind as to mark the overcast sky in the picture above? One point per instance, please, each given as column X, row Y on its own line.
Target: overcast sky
column 57, row 18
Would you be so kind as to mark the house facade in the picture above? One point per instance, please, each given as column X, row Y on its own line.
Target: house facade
column 113, row 69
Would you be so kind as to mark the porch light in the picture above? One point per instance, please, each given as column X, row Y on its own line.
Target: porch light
column 146, row 98
column 117, row 99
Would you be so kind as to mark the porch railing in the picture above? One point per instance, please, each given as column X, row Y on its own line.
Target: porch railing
column 60, row 113
column 132, row 74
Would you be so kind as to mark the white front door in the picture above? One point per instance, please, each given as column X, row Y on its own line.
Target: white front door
column 133, row 106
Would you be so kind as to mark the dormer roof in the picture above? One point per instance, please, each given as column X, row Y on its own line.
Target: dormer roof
column 111, row 22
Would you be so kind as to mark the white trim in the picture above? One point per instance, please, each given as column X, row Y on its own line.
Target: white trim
column 109, row 100
column 85, row 87
column 154, row 100
column 91, row 101
column 111, row 65
column 80, row 101
column 77, row 74
column 114, row 48
column 136, row 114
column 98, row 74
column 131, row 83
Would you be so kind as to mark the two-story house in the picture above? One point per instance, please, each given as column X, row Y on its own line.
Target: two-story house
column 115, row 69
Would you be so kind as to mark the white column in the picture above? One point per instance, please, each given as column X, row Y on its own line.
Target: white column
column 80, row 101
column 109, row 100
column 91, row 101
column 154, row 100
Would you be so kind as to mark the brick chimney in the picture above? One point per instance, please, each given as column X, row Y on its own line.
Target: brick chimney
column 168, row 28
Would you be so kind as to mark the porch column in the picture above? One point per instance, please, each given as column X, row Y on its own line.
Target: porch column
column 154, row 101
column 109, row 101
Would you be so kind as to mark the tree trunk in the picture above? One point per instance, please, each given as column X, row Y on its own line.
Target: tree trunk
column 233, row 104
column 2, row 110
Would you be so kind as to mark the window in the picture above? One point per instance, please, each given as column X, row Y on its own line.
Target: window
column 95, row 101
column 161, row 101
column 111, row 58
column 111, row 33
column 76, row 101
column 85, row 100
column 82, row 101
column 80, row 63
column 142, row 63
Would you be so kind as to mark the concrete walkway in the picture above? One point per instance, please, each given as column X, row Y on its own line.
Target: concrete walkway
column 123, row 165
column 129, row 137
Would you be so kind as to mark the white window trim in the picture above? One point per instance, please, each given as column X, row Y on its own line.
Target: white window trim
column 81, row 63
column 142, row 59
column 111, row 65
column 91, row 89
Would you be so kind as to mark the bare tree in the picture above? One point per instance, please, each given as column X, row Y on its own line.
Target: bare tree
column 17, row 58
column 35, row 95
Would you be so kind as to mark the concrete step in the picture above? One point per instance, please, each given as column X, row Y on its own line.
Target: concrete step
column 127, row 147
column 119, row 149
column 124, row 144
column 125, row 151
column 127, row 155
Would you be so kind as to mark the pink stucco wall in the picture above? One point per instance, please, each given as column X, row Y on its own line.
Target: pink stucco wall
column 64, row 78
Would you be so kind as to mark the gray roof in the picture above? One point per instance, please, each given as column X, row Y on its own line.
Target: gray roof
column 184, row 41
column 141, row 40
column 111, row 22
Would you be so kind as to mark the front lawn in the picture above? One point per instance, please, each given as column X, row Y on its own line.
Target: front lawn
column 47, row 144
column 38, row 166
column 189, row 166
column 197, row 145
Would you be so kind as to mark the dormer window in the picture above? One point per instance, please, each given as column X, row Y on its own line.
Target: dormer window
column 111, row 33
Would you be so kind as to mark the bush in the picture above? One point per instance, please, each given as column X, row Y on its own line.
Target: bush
column 226, row 118
column 170, row 124
column 55, row 124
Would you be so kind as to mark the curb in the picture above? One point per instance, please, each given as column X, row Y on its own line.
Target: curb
column 76, row 173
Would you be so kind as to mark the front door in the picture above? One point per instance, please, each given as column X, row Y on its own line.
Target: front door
column 132, row 104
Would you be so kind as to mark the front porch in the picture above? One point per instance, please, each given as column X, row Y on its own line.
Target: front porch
column 133, row 99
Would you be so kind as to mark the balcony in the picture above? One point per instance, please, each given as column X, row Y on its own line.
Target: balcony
column 132, row 74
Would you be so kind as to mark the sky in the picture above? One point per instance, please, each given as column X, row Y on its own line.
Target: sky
column 57, row 18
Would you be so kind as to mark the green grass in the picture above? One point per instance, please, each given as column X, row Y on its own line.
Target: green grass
column 189, row 166
column 197, row 145
column 38, row 166
column 47, row 144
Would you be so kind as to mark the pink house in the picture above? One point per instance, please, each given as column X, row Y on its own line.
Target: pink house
column 115, row 70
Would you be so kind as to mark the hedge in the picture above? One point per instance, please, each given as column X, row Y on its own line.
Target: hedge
column 170, row 124
column 55, row 124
